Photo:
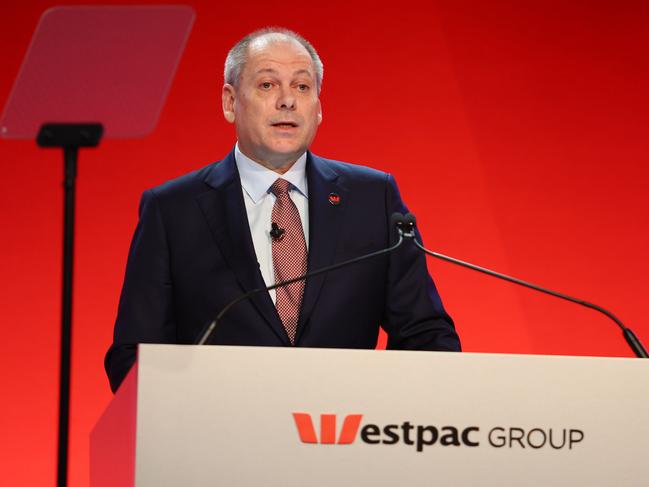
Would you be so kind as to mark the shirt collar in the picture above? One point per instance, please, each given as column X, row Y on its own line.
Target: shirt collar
column 256, row 179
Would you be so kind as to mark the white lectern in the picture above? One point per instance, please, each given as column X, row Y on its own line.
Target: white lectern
column 244, row 416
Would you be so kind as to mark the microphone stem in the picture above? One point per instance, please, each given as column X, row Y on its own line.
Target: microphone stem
column 629, row 336
column 210, row 328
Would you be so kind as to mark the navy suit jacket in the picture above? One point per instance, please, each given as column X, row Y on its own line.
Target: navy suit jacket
column 192, row 253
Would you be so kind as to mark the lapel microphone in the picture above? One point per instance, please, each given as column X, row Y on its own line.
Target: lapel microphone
column 276, row 233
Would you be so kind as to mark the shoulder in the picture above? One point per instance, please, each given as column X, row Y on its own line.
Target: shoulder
column 365, row 184
column 186, row 184
column 350, row 172
column 197, row 182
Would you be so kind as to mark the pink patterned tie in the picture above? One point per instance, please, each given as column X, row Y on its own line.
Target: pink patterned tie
column 289, row 256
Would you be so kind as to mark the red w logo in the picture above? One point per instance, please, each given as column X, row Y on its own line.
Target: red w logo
column 306, row 430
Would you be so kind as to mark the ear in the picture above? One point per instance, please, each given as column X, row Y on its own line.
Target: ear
column 319, row 112
column 227, row 100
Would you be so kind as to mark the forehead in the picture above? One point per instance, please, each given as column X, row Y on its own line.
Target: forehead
column 275, row 53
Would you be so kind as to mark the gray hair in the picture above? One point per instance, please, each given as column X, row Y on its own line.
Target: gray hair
column 238, row 55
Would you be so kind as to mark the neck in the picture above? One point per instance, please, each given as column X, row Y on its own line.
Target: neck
column 280, row 165
column 280, row 169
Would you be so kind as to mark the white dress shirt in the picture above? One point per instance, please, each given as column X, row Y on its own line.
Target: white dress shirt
column 256, row 181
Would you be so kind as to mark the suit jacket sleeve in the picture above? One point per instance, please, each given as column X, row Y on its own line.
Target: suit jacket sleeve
column 146, row 300
column 414, row 317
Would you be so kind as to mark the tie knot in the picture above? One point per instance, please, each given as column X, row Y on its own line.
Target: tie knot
column 280, row 187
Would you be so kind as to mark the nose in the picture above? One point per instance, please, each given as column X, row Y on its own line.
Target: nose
column 286, row 99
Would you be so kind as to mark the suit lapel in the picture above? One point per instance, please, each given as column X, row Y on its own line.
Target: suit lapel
column 324, row 227
column 225, row 212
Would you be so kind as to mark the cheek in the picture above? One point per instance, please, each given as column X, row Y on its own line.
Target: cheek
column 314, row 111
column 254, row 110
column 316, row 117
column 250, row 115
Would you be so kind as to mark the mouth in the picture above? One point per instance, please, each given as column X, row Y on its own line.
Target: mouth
column 285, row 124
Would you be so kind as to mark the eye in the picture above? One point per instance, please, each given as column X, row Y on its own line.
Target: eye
column 266, row 85
column 303, row 87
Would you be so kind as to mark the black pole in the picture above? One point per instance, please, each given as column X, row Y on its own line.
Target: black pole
column 69, row 137
column 70, row 154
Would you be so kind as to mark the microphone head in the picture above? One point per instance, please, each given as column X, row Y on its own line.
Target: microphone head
column 396, row 220
column 409, row 220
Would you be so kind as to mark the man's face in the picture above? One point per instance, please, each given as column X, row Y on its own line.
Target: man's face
column 275, row 106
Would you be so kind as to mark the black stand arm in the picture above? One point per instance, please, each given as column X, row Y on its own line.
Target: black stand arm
column 69, row 137
column 632, row 340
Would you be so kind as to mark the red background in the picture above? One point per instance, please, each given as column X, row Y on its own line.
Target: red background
column 517, row 132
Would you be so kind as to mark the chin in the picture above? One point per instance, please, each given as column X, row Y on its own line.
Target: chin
column 286, row 150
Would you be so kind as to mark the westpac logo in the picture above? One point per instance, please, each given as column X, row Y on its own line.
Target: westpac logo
column 307, row 433
column 422, row 436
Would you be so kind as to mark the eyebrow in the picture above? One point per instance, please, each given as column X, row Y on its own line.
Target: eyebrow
column 274, row 71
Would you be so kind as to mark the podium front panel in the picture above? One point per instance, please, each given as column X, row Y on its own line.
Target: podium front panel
column 242, row 416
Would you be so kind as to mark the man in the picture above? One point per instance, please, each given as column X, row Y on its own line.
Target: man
column 267, row 212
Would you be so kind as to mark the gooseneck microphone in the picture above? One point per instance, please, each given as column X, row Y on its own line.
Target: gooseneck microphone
column 409, row 223
column 396, row 221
